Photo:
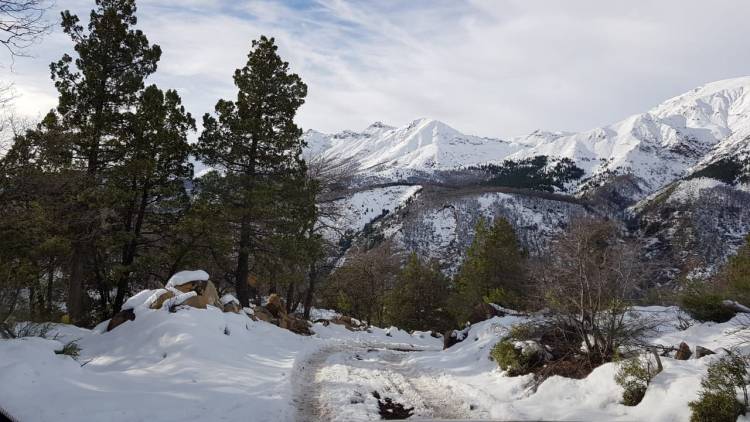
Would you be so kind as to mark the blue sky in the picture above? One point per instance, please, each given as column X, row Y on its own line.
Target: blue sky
column 496, row 68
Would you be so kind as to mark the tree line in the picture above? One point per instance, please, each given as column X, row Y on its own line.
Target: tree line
column 99, row 199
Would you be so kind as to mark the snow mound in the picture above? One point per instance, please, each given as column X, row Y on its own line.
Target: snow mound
column 184, row 277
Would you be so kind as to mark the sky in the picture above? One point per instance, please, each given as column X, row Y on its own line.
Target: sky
column 496, row 68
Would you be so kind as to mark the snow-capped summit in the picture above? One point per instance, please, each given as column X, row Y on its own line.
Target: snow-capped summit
column 423, row 144
column 664, row 143
column 657, row 147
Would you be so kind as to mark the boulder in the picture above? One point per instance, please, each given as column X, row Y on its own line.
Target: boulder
column 276, row 306
column 683, row 352
column 450, row 338
column 232, row 307
column 120, row 318
column 206, row 294
column 295, row 325
column 348, row 322
column 262, row 314
column 701, row 351
column 453, row 337
column 166, row 295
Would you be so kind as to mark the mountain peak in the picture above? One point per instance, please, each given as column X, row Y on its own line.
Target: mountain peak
column 379, row 125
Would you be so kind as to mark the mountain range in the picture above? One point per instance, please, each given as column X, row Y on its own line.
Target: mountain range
column 657, row 147
column 675, row 174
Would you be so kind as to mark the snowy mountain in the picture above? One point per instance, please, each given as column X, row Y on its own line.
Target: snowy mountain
column 648, row 171
column 656, row 147
column 422, row 145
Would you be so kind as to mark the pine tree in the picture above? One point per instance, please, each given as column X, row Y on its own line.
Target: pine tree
column 95, row 91
column 150, row 181
column 257, row 145
column 493, row 270
column 419, row 300
column 32, row 243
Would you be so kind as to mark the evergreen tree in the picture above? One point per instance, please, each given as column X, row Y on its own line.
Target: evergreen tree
column 493, row 270
column 96, row 90
column 150, row 181
column 257, row 145
column 737, row 275
column 419, row 300
column 33, row 247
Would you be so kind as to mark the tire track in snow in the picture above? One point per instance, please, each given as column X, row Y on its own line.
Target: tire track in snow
column 316, row 379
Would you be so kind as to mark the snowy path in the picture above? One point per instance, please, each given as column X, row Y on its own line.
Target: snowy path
column 337, row 384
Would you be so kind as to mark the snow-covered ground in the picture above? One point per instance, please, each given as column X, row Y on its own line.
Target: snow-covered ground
column 208, row 365
column 194, row 364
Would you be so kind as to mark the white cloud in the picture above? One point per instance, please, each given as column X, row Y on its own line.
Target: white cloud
column 498, row 68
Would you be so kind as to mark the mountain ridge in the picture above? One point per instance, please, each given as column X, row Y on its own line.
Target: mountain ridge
column 659, row 146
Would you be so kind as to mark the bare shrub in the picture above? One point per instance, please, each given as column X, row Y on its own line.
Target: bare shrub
column 589, row 283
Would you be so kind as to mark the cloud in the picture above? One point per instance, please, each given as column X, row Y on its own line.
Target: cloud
column 496, row 68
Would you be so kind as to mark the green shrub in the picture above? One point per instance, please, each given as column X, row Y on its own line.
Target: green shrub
column 703, row 305
column 508, row 358
column 516, row 361
column 634, row 375
column 717, row 401
column 71, row 349
column 716, row 407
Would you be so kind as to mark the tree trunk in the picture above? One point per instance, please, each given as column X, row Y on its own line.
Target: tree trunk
column 50, row 281
column 243, row 266
column 129, row 251
column 75, row 285
column 290, row 297
column 310, row 293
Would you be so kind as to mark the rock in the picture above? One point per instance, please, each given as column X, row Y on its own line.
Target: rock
column 295, row 325
column 483, row 312
column 206, row 295
column 325, row 322
column 454, row 337
column 683, row 352
column 276, row 306
column 192, row 286
column 166, row 295
column 450, row 338
column 232, row 307
column 120, row 318
column 701, row 351
column 348, row 322
column 262, row 314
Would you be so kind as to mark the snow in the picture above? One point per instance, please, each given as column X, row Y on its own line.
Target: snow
column 690, row 190
column 227, row 298
column 423, row 144
column 657, row 146
column 363, row 207
column 195, row 364
column 183, row 277
column 203, row 364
